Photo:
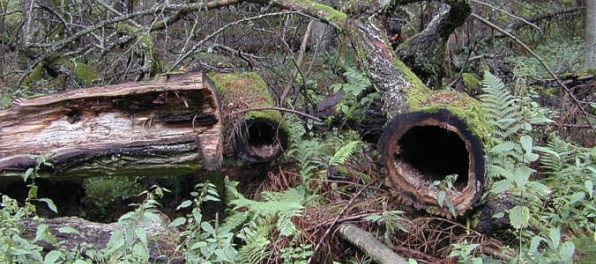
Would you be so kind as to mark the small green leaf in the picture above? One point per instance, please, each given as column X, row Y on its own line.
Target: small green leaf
column 519, row 216
column 142, row 235
column 498, row 215
column 441, row 197
column 566, row 251
column 502, row 186
column 555, row 237
column 531, row 157
column 50, row 204
column 184, row 204
column 52, row 257
column 589, row 187
column 68, row 230
column 177, row 222
column 576, row 197
column 526, row 143
column 503, row 147
column 27, row 173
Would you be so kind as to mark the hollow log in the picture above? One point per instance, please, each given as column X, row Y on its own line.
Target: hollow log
column 254, row 131
column 168, row 125
column 442, row 136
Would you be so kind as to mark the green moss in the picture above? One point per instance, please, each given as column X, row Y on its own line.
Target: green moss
column 86, row 73
column 421, row 98
column 35, row 75
column 246, row 90
column 336, row 18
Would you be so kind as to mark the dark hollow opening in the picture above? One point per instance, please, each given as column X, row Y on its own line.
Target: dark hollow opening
column 261, row 133
column 260, row 140
column 435, row 152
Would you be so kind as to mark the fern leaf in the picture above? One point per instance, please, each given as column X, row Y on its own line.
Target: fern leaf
column 254, row 252
column 343, row 153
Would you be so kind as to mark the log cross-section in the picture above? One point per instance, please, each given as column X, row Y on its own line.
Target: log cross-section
column 421, row 148
column 168, row 125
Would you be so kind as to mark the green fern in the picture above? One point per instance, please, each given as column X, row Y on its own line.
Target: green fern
column 343, row 153
column 500, row 106
column 256, row 238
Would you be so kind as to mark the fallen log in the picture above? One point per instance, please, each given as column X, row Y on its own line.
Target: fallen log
column 254, row 131
column 440, row 137
column 165, row 126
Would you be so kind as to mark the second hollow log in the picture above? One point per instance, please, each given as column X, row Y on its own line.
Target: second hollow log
column 165, row 126
column 254, row 130
column 442, row 135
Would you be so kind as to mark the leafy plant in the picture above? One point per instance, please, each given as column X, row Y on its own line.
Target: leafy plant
column 353, row 105
column 129, row 243
column 205, row 242
column 391, row 220
column 463, row 251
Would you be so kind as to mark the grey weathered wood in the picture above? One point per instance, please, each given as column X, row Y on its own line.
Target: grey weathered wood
column 165, row 125
column 369, row 245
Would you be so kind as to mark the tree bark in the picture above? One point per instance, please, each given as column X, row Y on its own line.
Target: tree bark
column 165, row 125
column 369, row 245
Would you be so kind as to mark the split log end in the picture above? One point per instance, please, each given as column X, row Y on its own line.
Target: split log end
column 422, row 148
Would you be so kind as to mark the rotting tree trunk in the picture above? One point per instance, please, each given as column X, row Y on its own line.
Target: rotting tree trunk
column 167, row 125
column 254, row 131
column 450, row 119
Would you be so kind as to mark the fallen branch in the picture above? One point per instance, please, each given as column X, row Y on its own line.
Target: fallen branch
column 369, row 245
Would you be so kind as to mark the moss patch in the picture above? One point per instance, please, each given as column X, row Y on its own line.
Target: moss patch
column 240, row 92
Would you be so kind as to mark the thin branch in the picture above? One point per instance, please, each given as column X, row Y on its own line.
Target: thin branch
column 208, row 37
column 555, row 77
column 303, row 45
column 509, row 14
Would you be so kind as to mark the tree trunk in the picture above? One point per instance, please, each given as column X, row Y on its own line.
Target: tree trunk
column 163, row 126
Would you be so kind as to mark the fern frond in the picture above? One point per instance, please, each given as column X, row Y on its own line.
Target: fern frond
column 343, row 153
column 500, row 106
column 254, row 252
column 236, row 220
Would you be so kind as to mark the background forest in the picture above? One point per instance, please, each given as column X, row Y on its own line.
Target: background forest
column 531, row 65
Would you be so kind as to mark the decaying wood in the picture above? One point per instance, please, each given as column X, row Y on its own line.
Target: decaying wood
column 255, row 130
column 166, row 124
column 369, row 245
column 422, row 148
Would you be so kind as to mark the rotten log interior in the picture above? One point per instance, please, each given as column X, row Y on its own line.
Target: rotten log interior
column 260, row 140
column 423, row 147
column 169, row 123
